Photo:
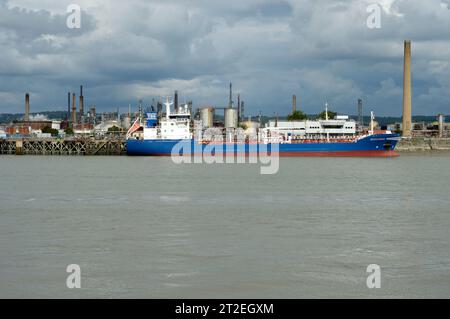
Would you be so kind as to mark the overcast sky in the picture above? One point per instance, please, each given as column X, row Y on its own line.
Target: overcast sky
column 138, row 49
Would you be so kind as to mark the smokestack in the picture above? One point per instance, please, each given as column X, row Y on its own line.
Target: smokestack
column 294, row 104
column 230, row 102
column 407, row 91
column 68, row 106
column 81, row 102
column 74, row 109
column 175, row 102
column 239, row 108
column 27, row 108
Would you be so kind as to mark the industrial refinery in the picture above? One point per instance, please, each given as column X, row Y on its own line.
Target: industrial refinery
column 89, row 132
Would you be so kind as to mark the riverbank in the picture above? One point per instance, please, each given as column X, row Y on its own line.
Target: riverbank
column 419, row 144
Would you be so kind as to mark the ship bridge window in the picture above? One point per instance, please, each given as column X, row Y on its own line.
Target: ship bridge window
column 333, row 126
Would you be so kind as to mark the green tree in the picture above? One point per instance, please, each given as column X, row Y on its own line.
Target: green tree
column 52, row 131
column 114, row 129
column 331, row 115
column 69, row 131
column 296, row 116
column 243, row 126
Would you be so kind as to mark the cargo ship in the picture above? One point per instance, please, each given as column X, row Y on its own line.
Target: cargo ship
column 170, row 134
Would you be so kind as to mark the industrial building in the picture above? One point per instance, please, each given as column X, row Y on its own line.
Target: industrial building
column 232, row 116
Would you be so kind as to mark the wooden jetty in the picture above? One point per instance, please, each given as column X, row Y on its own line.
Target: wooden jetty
column 53, row 146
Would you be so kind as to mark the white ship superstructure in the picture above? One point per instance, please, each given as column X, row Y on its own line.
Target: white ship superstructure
column 339, row 128
column 174, row 125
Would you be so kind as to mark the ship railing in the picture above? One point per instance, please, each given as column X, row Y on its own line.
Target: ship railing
column 324, row 139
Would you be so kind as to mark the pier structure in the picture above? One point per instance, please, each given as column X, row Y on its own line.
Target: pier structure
column 36, row 146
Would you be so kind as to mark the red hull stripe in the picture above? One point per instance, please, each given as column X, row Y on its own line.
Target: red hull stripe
column 312, row 154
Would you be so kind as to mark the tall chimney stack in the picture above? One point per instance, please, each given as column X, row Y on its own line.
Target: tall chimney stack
column 294, row 104
column 175, row 102
column 230, row 101
column 68, row 107
column 406, row 123
column 81, row 102
column 239, row 107
column 27, row 108
column 74, row 109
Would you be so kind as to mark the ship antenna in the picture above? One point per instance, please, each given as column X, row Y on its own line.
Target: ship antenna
column 326, row 110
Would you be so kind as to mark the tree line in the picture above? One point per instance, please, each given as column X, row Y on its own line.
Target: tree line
column 300, row 116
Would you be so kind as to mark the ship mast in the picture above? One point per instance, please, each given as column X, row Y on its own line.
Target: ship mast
column 168, row 104
column 372, row 117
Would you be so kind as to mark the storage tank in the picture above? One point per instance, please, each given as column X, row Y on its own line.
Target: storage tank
column 250, row 127
column 126, row 122
column 231, row 118
column 207, row 116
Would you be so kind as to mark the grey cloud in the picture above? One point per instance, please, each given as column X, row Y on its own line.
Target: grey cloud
column 30, row 24
column 320, row 50
column 277, row 10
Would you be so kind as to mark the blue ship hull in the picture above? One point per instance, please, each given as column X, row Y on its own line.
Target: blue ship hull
column 377, row 145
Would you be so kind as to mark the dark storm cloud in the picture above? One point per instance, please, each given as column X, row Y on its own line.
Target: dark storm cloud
column 320, row 50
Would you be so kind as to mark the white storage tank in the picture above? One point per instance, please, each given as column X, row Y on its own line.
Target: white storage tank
column 231, row 118
column 251, row 128
column 207, row 116
column 126, row 122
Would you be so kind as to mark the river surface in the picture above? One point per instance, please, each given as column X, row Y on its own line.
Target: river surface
column 148, row 228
